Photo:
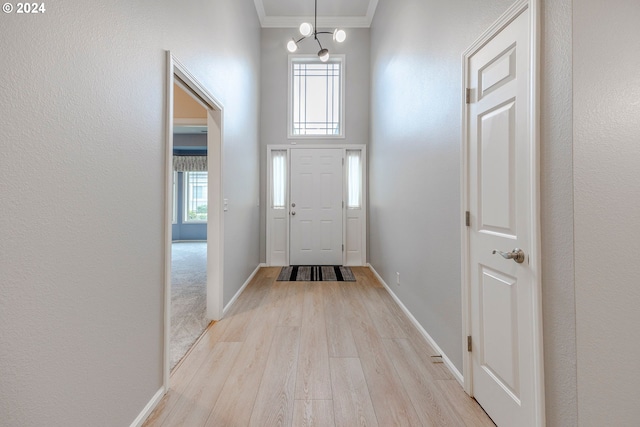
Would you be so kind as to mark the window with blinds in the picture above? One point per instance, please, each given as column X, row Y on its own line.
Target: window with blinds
column 195, row 196
column 174, row 213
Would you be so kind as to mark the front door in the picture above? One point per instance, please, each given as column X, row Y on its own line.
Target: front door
column 316, row 206
column 502, row 283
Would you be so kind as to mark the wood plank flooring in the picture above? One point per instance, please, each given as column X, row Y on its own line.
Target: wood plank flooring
column 305, row 354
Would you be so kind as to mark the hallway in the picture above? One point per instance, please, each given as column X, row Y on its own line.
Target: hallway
column 321, row 354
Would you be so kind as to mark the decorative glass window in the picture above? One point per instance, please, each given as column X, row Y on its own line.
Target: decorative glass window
column 316, row 97
column 279, row 173
column 195, row 196
column 354, row 179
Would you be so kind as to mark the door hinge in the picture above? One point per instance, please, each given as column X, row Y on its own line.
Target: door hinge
column 342, row 248
column 469, row 343
column 343, row 204
column 468, row 95
column 467, row 218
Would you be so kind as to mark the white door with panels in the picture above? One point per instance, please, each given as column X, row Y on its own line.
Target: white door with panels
column 505, row 330
column 316, row 207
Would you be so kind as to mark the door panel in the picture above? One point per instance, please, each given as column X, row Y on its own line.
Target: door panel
column 500, row 197
column 499, row 336
column 496, row 169
column 498, row 72
column 316, row 207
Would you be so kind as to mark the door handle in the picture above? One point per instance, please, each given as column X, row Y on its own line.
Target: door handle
column 293, row 213
column 517, row 255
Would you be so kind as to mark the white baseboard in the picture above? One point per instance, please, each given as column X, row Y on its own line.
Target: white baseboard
column 235, row 297
column 454, row 371
column 149, row 408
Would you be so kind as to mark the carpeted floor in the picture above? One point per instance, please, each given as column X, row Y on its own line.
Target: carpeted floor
column 188, row 296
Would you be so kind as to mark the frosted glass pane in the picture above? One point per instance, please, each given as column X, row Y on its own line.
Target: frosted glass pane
column 354, row 179
column 279, row 167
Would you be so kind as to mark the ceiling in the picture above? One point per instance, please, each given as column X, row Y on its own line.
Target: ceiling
column 331, row 13
column 189, row 117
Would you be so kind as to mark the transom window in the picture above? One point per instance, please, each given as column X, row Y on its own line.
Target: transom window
column 316, row 97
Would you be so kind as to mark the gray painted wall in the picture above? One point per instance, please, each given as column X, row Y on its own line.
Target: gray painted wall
column 83, row 104
column 414, row 175
column 415, row 147
column 274, row 79
column 556, row 199
column 606, row 135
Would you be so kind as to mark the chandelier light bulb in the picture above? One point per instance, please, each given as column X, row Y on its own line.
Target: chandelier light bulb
column 339, row 35
column 323, row 55
column 292, row 46
column 306, row 29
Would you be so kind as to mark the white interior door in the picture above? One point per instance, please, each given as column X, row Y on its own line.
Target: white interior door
column 503, row 301
column 316, row 206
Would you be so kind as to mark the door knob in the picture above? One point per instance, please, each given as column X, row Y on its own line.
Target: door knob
column 293, row 213
column 517, row 255
column 293, row 205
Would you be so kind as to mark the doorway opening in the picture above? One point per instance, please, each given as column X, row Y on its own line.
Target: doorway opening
column 194, row 226
column 189, row 223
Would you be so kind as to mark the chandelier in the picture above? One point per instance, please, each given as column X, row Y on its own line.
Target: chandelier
column 307, row 30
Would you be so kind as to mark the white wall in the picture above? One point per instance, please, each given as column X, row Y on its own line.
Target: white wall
column 606, row 132
column 82, row 194
column 273, row 128
column 415, row 172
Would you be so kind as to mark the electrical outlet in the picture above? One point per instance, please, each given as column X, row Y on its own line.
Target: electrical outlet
column 397, row 278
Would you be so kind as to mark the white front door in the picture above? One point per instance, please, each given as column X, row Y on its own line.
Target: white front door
column 503, row 290
column 316, row 206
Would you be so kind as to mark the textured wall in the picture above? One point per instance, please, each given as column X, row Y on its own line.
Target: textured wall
column 82, row 182
column 414, row 174
column 556, row 181
column 606, row 132
column 273, row 128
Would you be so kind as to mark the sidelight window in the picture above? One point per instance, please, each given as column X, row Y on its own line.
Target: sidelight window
column 354, row 179
column 279, row 176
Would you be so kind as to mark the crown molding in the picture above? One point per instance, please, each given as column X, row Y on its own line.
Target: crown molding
column 323, row 21
column 373, row 5
column 260, row 10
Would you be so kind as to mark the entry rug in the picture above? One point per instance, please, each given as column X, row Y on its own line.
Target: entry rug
column 316, row 273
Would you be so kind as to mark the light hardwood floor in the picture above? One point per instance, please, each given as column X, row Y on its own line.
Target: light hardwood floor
column 308, row 354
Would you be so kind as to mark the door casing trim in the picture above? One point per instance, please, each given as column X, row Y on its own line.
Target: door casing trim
column 177, row 73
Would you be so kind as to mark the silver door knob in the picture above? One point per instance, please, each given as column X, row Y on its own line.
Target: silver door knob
column 293, row 205
column 293, row 213
column 517, row 255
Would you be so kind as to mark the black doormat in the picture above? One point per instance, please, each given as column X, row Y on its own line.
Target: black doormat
column 316, row 273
